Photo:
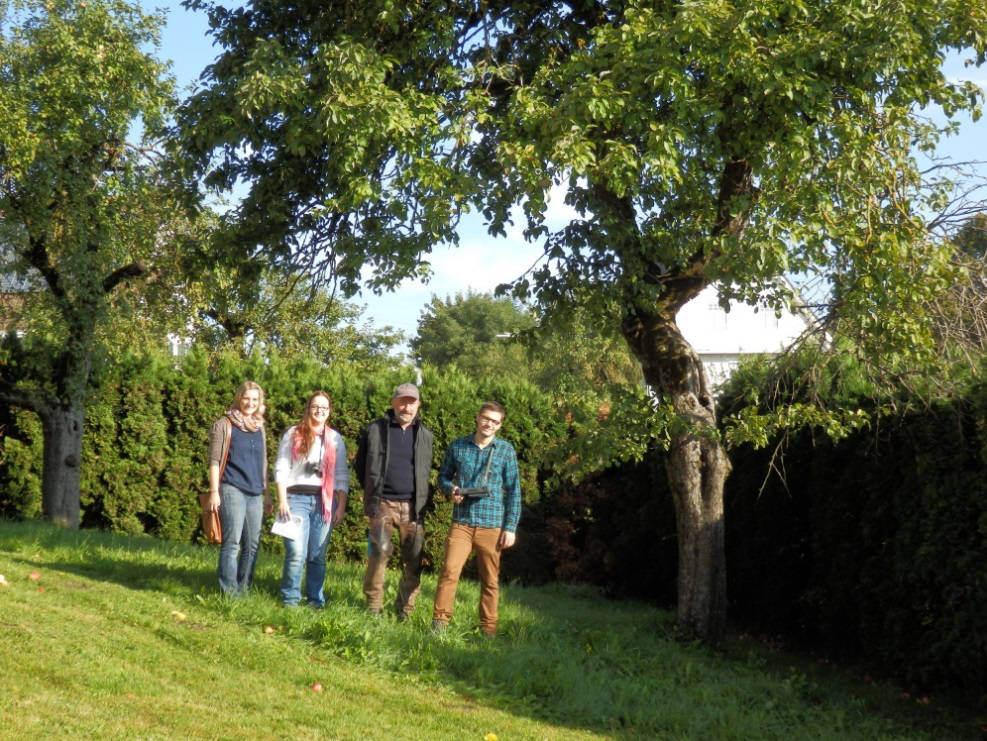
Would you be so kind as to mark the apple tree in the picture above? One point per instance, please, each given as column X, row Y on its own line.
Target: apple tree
column 82, row 207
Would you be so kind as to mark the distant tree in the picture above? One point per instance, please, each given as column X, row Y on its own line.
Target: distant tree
column 286, row 314
column 578, row 357
column 580, row 351
column 475, row 332
column 971, row 237
column 83, row 209
column 959, row 314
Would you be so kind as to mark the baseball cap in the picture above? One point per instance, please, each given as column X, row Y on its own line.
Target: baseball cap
column 407, row 389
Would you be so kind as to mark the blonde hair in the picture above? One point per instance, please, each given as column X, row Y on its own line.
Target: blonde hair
column 242, row 391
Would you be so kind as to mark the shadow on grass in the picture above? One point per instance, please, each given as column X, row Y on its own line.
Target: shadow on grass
column 567, row 656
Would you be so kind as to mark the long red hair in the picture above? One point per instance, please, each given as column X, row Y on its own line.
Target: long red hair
column 304, row 435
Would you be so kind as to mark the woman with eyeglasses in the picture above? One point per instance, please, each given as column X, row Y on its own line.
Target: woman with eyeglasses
column 312, row 481
column 238, row 485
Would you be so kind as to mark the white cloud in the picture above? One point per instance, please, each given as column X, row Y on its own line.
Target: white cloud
column 480, row 266
column 476, row 265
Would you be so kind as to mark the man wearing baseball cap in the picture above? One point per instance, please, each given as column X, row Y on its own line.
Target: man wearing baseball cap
column 393, row 460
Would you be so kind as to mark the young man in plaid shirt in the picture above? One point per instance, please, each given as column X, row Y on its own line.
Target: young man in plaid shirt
column 480, row 473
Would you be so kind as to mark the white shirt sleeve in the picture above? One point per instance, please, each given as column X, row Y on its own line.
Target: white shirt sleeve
column 341, row 479
column 282, row 464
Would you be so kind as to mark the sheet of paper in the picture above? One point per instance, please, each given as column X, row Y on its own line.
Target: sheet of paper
column 289, row 529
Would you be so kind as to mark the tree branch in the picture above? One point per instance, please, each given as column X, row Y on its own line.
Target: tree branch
column 118, row 276
column 37, row 255
column 18, row 397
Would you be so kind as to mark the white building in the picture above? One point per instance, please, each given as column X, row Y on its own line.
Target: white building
column 722, row 338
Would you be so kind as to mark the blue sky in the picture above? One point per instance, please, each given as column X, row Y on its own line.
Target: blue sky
column 480, row 263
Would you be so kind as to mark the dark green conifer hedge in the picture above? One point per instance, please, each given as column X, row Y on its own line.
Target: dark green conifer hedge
column 872, row 550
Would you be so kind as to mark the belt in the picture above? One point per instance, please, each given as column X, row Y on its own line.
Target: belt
column 303, row 490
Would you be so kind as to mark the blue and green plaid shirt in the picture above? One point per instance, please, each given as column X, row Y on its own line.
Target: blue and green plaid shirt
column 465, row 464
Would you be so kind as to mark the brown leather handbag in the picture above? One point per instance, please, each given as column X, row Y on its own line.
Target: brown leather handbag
column 211, row 529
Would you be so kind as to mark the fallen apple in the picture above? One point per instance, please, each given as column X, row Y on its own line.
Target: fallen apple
column 317, row 687
column 269, row 629
column 34, row 576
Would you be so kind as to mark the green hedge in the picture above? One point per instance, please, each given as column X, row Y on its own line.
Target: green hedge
column 873, row 550
column 616, row 529
column 146, row 440
column 20, row 464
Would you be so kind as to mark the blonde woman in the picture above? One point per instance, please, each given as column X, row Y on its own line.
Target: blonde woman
column 312, row 481
column 238, row 485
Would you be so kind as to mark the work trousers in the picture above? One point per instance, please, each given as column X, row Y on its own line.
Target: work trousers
column 462, row 540
column 390, row 515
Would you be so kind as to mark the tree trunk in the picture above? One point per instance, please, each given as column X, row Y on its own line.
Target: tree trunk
column 697, row 467
column 60, row 476
column 63, row 411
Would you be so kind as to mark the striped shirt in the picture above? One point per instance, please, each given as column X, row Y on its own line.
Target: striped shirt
column 465, row 465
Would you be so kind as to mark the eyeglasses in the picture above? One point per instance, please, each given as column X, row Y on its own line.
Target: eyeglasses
column 490, row 421
column 319, row 409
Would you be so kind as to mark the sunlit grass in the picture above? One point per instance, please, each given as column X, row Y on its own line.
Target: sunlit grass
column 127, row 637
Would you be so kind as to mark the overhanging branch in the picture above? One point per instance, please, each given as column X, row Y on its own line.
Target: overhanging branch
column 118, row 276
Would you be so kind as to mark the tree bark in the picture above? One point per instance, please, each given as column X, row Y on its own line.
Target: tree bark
column 60, row 475
column 697, row 467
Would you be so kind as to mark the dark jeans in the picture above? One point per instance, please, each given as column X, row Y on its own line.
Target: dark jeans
column 390, row 515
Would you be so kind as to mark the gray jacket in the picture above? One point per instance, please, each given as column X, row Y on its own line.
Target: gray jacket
column 371, row 464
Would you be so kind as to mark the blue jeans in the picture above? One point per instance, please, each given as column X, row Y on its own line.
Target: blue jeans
column 308, row 549
column 241, row 516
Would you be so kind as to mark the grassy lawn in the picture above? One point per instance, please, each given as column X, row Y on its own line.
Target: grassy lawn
column 105, row 636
